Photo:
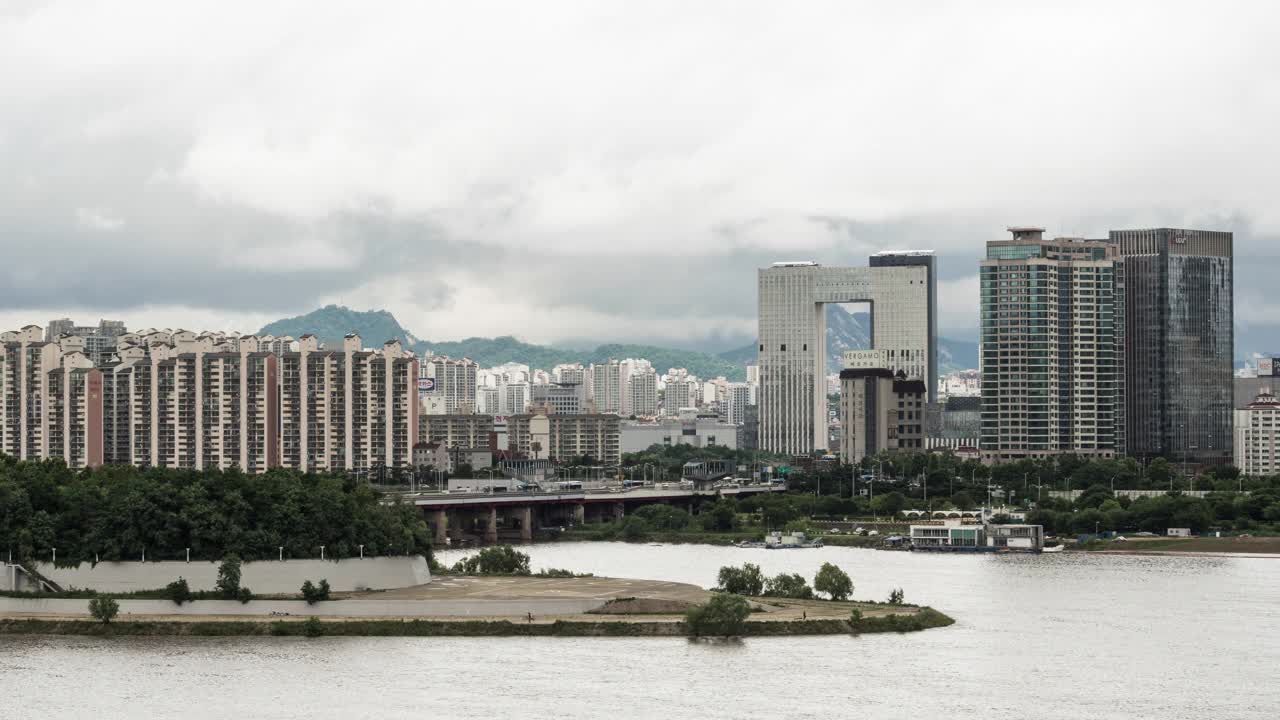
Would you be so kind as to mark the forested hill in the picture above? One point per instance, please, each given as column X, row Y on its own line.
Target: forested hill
column 331, row 323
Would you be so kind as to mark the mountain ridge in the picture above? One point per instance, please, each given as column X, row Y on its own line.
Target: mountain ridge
column 330, row 323
column 845, row 331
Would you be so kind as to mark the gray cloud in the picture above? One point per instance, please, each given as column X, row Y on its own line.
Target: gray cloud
column 607, row 172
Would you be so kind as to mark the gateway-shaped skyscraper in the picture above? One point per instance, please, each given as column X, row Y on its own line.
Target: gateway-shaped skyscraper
column 900, row 287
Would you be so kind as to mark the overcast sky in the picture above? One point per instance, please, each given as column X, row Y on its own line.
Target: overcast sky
column 601, row 170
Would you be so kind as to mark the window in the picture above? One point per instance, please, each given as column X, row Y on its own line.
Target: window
column 784, row 347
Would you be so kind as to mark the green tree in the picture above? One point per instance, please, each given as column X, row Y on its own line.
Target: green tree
column 788, row 586
column 104, row 609
column 228, row 584
column 313, row 593
column 746, row 580
column 962, row 500
column 890, row 504
column 495, row 560
column 664, row 517
column 724, row 615
column 722, row 515
column 833, row 581
column 178, row 591
column 635, row 528
column 896, row 596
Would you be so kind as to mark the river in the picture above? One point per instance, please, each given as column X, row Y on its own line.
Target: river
column 1049, row 636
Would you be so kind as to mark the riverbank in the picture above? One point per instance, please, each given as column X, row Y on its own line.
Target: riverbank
column 916, row 619
column 611, row 534
column 1224, row 546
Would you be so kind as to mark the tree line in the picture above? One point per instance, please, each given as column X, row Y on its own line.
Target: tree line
column 124, row 513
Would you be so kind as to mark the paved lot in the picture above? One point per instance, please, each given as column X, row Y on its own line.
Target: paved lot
column 447, row 587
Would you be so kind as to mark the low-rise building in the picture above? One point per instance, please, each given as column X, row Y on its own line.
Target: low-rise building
column 690, row 428
column 562, row 437
column 456, row 431
column 432, row 455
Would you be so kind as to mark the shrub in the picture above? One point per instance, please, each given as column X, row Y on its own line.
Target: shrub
column 895, row 596
column 746, row 580
column 788, row 586
column 635, row 529
column 228, row 584
column 104, row 609
column 312, row 627
column 497, row 560
column 556, row 573
column 724, row 615
column 178, row 591
column 855, row 616
column 244, row 595
column 315, row 593
column 833, row 581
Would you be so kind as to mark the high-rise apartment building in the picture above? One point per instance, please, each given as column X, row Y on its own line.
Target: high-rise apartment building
column 1051, row 349
column 1257, row 435
column 1179, row 346
column 182, row 400
column 642, row 393
column 793, row 296
column 679, row 395
column 570, row 374
column 99, row 340
column 737, row 398
column 453, row 380
column 608, row 386
column 514, row 399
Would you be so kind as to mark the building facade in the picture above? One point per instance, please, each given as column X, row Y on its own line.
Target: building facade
column 879, row 410
column 560, row 398
column 1051, row 348
column 562, row 437
column 642, row 394
column 182, row 400
column 608, row 386
column 792, row 345
column 692, row 428
column 456, row 431
column 1257, row 436
column 1179, row 352
column 450, row 379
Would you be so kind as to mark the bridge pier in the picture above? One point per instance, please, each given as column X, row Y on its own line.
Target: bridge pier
column 491, row 528
column 619, row 511
column 440, row 527
column 579, row 514
column 526, row 523
column 455, row 528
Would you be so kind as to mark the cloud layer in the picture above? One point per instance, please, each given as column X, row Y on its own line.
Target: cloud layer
column 602, row 170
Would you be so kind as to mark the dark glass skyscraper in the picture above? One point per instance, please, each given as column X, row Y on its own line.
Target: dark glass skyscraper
column 1179, row 343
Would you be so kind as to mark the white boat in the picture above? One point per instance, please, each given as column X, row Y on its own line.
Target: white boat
column 1053, row 549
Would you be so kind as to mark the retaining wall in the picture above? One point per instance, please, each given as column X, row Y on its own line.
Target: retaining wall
column 331, row 608
column 263, row 577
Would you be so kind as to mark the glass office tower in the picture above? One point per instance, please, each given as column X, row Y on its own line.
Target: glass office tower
column 1179, row 349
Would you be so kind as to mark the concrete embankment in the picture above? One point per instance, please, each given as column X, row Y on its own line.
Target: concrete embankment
column 264, row 577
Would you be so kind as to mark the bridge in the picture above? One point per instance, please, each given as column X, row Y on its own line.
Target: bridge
column 454, row 516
